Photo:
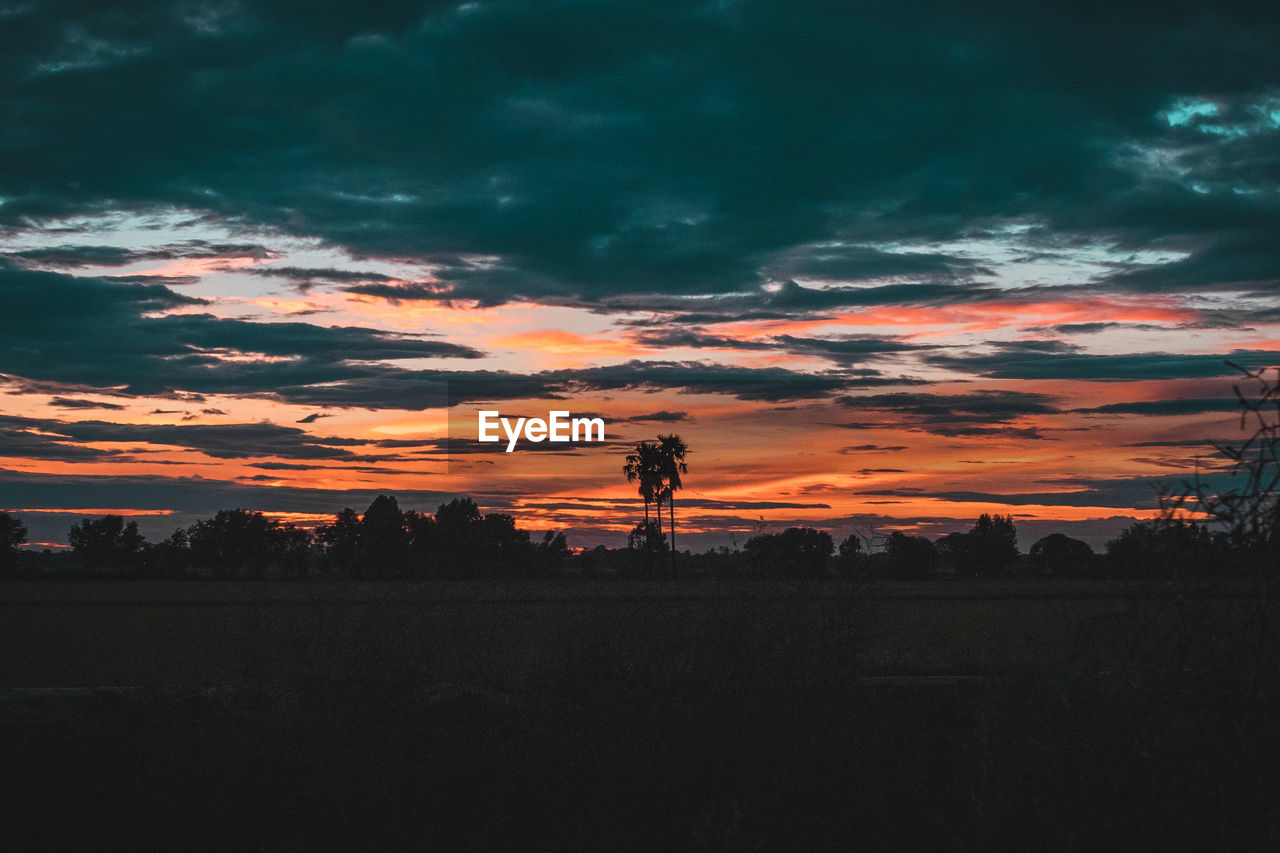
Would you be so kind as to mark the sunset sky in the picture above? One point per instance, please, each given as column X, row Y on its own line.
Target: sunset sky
column 887, row 265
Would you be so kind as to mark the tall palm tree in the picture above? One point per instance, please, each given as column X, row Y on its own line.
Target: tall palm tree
column 644, row 466
column 671, row 452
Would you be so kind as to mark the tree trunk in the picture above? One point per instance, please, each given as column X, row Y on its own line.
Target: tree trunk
column 671, row 503
column 644, row 543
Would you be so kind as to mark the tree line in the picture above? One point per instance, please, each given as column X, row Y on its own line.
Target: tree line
column 459, row 541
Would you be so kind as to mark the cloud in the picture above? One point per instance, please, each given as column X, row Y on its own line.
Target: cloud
column 76, row 403
column 1182, row 406
column 957, row 415
column 311, row 274
column 682, row 170
column 663, row 416
column 199, row 496
column 19, row 442
column 221, row 441
column 1043, row 364
column 1122, row 493
column 76, row 256
column 591, row 156
column 848, row 349
column 121, row 344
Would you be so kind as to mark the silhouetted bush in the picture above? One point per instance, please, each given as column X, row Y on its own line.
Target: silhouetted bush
column 909, row 556
column 457, row 542
column 547, row 557
column 107, row 544
column 240, row 543
column 795, row 552
column 851, row 558
column 340, row 540
column 383, row 539
column 1061, row 556
column 1166, row 548
column 647, row 547
column 12, row 534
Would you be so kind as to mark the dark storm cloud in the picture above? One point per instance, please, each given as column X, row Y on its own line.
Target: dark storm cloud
column 663, row 416
column 788, row 301
column 76, row 256
column 695, row 339
column 196, row 495
column 1043, row 364
column 75, row 403
column 70, row 257
column 118, row 348
column 850, row 349
column 18, row 442
column 92, row 332
column 599, row 150
column 795, row 297
column 1036, row 346
column 1182, row 406
column 1094, row 328
column 221, row 441
column 842, row 262
column 1174, row 443
column 847, row 350
column 1248, row 263
column 770, row 384
column 321, row 274
column 1134, row 493
column 958, row 415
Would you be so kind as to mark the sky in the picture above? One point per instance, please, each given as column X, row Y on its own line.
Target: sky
column 882, row 265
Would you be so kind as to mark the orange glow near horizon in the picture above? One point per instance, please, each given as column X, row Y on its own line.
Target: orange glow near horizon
column 95, row 511
column 985, row 316
column 810, row 461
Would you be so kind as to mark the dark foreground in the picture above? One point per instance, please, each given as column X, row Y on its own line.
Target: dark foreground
column 699, row 721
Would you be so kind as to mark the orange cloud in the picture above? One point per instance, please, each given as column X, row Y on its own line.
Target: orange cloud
column 984, row 316
column 97, row 511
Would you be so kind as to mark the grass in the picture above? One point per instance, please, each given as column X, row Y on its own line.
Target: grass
column 588, row 716
column 139, row 633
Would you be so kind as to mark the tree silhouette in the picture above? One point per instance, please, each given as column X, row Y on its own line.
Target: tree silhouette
column 994, row 544
column 910, row 556
column 989, row 548
column 643, row 466
column 12, row 534
column 1165, row 547
column 1060, row 555
column 108, row 543
column 797, row 552
column 671, row 452
column 384, row 539
column 455, row 532
column 852, row 559
column 1247, row 510
column 341, row 541
column 239, row 539
column 647, row 539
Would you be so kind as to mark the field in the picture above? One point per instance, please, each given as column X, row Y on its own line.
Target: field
column 145, row 633
column 578, row 715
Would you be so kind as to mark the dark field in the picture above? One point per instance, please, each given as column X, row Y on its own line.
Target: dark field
column 142, row 633
column 614, row 715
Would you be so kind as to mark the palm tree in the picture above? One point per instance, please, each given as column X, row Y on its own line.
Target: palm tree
column 671, row 464
column 644, row 465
